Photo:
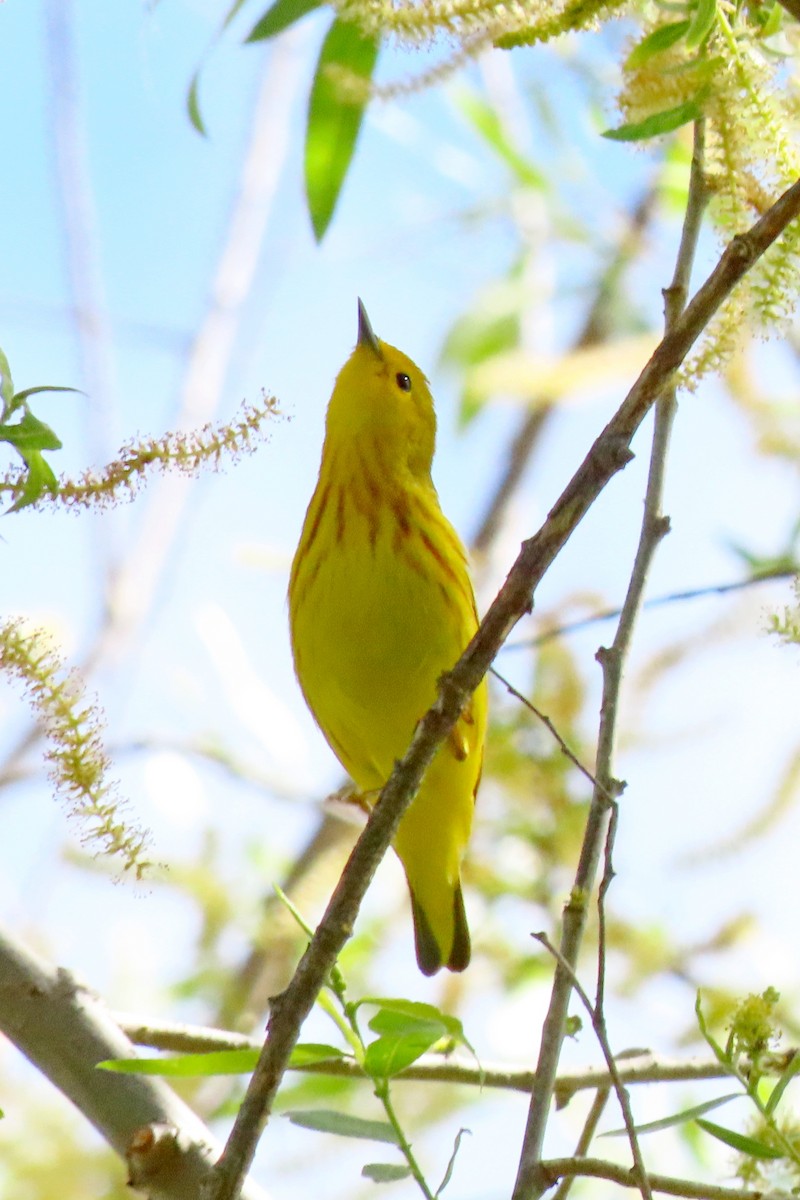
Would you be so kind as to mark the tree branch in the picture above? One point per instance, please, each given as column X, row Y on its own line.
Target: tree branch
column 65, row 1030
column 639, row 1068
column 654, row 526
column 554, row 1169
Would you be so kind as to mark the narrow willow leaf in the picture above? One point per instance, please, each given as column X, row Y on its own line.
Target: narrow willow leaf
column 193, row 106
column 385, row 1172
column 314, row 1052
column 703, row 22
column 22, row 396
column 679, row 1118
column 280, row 16
column 657, row 123
column 449, row 1171
column 485, row 120
column 738, row 1141
column 218, row 1062
column 774, row 21
column 39, row 479
column 659, row 40
column 293, row 911
column 231, row 13
column 333, row 121
column 324, row 1120
column 719, row 1053
column 6, row 385
column 786, row 1078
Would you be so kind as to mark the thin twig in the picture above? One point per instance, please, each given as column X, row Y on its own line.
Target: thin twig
column 598, row 1025
column 554, row 1169
column 548, row 724
column 596, row 1110
column 529, row 1181
column 789, row 571
column 608, row 455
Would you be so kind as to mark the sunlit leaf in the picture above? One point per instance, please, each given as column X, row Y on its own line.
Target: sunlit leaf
column 217, row 1062
column 657, row 123
column 659, row 40
column 702, row 23
column 334, row 120
column 280, row 16
column 486, row 121
column 739, row 1141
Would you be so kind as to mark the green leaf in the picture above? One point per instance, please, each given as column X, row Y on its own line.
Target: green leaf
column 703, row 22
column 451, row 1164
column 193, row 105
column 29, row 434
column 407, row 1030
column 280, row 16
column 305, row 1053
column 786, row 1078
column 231, row 13
column 40, row 479
column 773, row 21
column 385, row 1172
column 326, row 1121
column 217, row 1062
column 21, row 397
column 719, row 1053
column 659, row 40
column 679, row 1118
column 387, row 1056
column 6, row 386
column 293, row 910
column 333, row 121
column 658, row 123
column 738, row 1141
column 486, row 121
column 385, row 1020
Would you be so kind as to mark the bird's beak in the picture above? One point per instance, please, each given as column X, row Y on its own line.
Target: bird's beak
column 366, row 337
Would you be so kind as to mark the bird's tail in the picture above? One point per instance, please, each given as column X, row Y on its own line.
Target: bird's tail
column 450, row 945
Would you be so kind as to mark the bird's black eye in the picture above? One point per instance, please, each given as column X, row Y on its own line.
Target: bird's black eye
column 403, row 381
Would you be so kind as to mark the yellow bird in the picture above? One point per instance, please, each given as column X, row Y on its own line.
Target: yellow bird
column 380, row 604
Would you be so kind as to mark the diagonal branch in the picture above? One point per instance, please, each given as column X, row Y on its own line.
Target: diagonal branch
column 609, row 454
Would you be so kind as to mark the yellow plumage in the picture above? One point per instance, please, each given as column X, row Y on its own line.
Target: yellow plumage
column 380, row 605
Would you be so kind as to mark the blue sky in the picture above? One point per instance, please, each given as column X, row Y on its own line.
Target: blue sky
column 406, row 239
